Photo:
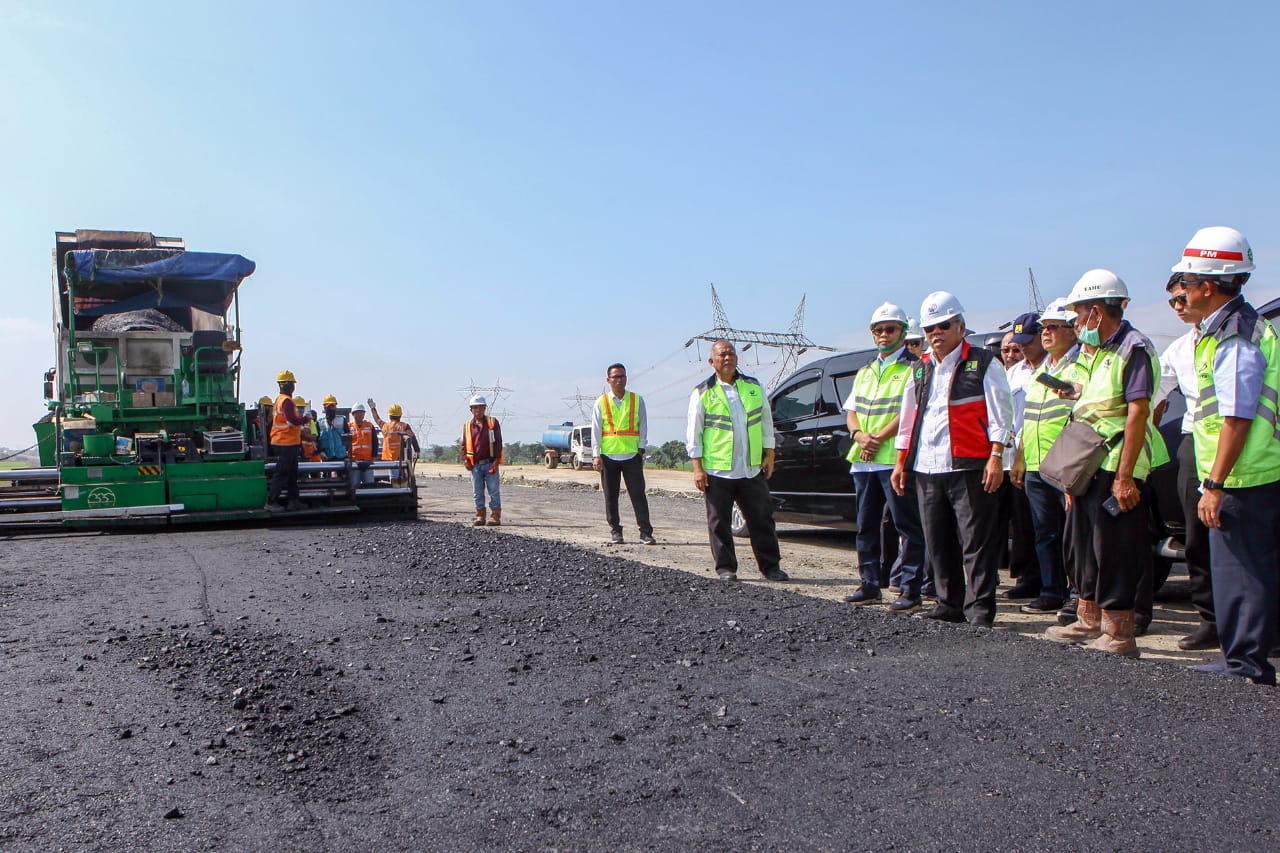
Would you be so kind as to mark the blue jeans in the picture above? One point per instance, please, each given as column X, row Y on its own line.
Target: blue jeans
column 874, row 491
column 1049, row 519
column 484, row 477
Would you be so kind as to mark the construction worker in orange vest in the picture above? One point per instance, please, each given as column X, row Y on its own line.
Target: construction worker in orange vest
column 363, row 445
column 286, row 440
column 310, row 433
column 482, row 454
column 395, row 435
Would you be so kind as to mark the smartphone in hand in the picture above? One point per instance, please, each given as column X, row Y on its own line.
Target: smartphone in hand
column 1112, row 506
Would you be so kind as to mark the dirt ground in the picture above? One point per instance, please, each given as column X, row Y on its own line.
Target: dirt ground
column 821, row 562
column 428, row 685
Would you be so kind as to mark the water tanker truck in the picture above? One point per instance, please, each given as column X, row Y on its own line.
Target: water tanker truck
column 568, row 443
column 143, row 422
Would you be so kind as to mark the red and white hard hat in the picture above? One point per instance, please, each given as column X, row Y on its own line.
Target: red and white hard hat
column 939, row 306
column 1216, row 250
column 888, row 312
column 1097, row 284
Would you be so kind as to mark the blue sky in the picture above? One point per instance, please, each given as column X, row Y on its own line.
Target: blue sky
column 521, row 193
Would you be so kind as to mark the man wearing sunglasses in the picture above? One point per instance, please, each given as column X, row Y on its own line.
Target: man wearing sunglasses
column 1237, row 452
column 872, row 410
column 1178, row 373
column 955, row 423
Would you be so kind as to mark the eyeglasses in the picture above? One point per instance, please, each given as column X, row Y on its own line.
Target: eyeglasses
column 915, row 343
column 886, row 330
column 1011, row 349
column 1056, row 327
column 944, row 326
column 617, row 376
column 1180, row 299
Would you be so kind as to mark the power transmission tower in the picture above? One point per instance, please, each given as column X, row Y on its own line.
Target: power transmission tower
column 492, row 392
column 1034, row 300
column 580, row 400
column 793, row 343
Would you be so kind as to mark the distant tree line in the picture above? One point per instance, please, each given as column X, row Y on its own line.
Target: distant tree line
column 670, row 455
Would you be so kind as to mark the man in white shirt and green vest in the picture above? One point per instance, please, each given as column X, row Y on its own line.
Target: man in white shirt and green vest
column 1237, row 361
column 621, row 428
column 730, row 441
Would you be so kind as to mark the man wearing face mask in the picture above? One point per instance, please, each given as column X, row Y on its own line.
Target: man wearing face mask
column 955, row 423
column 1237, row 363
column 1110, row 544
column 872, row 410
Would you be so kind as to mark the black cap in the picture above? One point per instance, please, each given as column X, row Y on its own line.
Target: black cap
column 1026, row 328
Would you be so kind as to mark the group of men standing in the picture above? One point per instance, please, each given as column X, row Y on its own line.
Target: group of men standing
column 933, row 436
column 297, row 434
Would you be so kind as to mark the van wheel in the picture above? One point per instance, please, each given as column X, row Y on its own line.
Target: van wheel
column 737, row 524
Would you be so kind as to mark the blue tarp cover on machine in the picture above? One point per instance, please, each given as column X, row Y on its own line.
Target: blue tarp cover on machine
column 160, row 278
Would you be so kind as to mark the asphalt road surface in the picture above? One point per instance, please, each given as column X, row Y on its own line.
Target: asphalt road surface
column 427, row 685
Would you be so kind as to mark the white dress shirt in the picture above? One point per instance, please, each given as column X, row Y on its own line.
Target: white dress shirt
column 933, row 455
column 742, row 469
column 597, row 423
column 1019, row 376
column 1238, row 370
column 1178, row 372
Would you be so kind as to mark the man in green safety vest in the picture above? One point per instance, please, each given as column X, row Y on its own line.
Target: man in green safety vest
column 730, row 441
column 873, row 410
column 1043, row 418
column 620, row 426
column 1109, row 540
column 1237, row 447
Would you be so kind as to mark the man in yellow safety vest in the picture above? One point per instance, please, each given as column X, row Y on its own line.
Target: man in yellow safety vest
column 620, row 427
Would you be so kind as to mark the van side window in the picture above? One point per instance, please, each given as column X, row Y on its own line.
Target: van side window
column 796, row 401
column 844, row 387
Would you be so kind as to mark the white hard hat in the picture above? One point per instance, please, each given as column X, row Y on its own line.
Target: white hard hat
column 1057, row 312
column 1097, row 284
column 358, row 407
column 477, row 400
column 888, row 312
column 914, row 332
column 1216, row 250
column 939, row 306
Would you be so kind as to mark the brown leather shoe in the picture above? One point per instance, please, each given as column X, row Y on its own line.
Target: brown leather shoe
column 1117, row 634
column 1088, row 625
column 479, row 522
column 495, row 517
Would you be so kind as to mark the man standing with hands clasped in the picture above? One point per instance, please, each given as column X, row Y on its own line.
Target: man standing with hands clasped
column 1237, row 453
column 730, row 440
column 619, row 423
column 956, row 414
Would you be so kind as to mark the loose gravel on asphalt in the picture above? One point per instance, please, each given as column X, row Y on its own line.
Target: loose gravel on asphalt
column 427, row 685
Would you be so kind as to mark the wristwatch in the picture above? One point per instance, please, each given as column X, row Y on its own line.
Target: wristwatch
column 1210, row 485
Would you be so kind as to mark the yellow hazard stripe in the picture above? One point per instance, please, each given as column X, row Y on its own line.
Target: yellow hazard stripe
column 148, row 470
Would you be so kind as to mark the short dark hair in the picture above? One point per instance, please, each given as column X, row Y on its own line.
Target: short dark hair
column 1174, row 281
column 610, row 368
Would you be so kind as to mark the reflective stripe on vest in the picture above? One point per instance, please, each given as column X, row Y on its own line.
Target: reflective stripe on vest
column 468, row 438
column 717, row 424
column 1046, row 414
column 624, row 436
column 362, row 441
column 393, row 433
column 1103, row 407
column 1259, row 461
column 283, row 433
column 877, row 400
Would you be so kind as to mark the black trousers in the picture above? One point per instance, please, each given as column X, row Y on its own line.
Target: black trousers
column 752, row 497
column 1111, row 554
column 286, row 476
column 963, row 540
column 1018, row 551
column 1196, row 537
column 632, row 472
column 1246, row 582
